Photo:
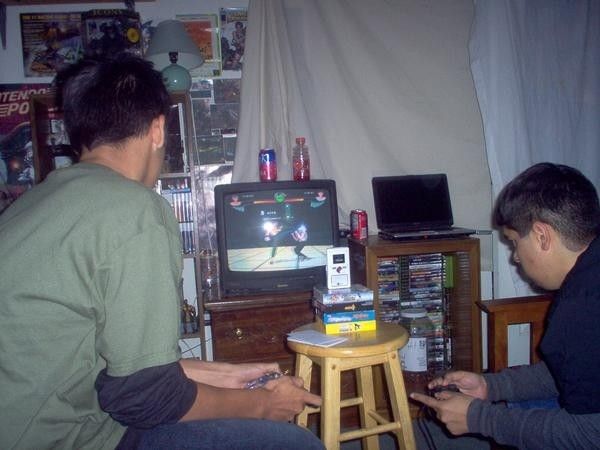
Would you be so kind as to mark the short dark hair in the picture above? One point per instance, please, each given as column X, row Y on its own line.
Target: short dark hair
column 108, row 100
column 558, row 195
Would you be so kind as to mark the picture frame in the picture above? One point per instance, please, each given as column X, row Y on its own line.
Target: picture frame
column 204, row 31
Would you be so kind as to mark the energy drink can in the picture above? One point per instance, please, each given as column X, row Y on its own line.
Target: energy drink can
column 359, row 228
column 267, row 165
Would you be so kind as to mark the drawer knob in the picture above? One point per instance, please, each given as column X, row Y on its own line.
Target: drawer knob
column 238, row 333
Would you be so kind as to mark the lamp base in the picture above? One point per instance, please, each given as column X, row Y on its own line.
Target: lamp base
column 176, row 78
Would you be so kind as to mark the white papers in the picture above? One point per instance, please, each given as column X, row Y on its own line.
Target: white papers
column 315, row 338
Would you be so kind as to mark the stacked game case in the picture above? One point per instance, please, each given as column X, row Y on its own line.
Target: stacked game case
column 388, row 274
column 344, row 310
column 424, row 279
column 418, row 281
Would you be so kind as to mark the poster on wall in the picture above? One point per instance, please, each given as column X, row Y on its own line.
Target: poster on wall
column 50, row 42
column 16, row 150
column 107, row 32
column 215, row 110
column 204, row 31
column 233, row 37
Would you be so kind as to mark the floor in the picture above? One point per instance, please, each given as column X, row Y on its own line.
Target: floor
column 435, row 437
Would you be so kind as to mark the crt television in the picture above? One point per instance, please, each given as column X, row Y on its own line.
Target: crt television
column 273, row 237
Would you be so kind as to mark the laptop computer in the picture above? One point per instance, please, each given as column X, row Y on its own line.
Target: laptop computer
column 414, row 207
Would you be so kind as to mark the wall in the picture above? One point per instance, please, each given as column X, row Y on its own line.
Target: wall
column 11, row 67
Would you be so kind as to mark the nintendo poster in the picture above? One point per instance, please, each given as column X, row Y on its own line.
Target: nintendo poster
column 233, row 37
column 51, row 41
column 16, row 149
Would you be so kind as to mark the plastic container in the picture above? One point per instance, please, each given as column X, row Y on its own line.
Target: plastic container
column 209, row 275
column 300, row 161
column 414, row 356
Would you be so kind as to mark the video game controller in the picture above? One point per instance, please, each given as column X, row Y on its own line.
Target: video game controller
column 440, row 388
column 264, row 379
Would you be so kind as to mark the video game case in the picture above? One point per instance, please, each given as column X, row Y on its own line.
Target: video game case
column 347, row 327
column 322, row 308
column 344, row 317
column 355, row 293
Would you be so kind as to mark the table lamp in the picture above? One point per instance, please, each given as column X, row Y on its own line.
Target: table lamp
column 173, row 50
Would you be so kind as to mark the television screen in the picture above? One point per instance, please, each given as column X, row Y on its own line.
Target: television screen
column 274, row 236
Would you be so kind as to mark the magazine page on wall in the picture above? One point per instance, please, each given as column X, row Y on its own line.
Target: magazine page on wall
column 16, row 149
column 233, row 37
column 51, row 41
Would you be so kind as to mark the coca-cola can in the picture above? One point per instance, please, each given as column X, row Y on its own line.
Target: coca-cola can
column 359, row 228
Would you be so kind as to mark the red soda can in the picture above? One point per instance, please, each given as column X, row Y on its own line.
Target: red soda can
column 359, row 228
column 267, row 165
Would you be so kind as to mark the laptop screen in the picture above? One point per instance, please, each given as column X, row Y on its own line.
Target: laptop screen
column 412, row 202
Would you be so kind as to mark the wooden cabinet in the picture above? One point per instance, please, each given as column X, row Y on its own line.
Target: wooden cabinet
column 462, row 295
column 253, row 328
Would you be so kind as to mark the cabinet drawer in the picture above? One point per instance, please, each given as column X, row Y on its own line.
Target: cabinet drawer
column 256, row 334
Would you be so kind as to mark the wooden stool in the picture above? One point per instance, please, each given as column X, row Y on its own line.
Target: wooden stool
column 361, row 352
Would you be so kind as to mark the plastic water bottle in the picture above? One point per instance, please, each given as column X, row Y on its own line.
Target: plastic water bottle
column 300, row 161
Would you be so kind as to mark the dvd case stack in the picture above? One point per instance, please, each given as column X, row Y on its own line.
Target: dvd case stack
column 178, row 193
column 388, row 286
column 344, row 310
column 423, row 286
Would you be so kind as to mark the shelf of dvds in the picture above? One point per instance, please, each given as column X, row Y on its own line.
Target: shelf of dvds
column 440, row 275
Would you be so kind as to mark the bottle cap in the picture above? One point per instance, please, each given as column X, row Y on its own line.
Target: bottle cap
column 300, row 140
column 413, row 313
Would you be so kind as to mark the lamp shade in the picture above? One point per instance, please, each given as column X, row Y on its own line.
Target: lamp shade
column 171, row 36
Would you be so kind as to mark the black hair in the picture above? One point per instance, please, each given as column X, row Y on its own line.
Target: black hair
column 555, row 194
column 109, row 100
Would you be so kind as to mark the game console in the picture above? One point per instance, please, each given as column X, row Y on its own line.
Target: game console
column 338, row 268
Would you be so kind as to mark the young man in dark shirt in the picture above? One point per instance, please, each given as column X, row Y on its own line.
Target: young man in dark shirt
column 551, row 216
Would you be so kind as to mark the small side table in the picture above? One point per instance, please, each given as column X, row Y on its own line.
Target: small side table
column 360, row 352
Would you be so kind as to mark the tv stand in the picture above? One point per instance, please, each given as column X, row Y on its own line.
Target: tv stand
column 253, row 328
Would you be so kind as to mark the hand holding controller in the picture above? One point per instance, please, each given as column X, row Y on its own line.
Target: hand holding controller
column 436, row 389
column 264, row 379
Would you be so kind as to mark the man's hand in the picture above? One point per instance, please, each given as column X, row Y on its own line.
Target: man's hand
column 450, row 407
column 288, row 398
column 468, row 383
column 225, row 375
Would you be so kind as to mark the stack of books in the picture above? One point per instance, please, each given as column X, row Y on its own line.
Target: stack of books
column 344, row 310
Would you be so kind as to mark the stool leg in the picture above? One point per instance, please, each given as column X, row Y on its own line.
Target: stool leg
column 304, row 371
column 399, row 401
column 330, row 407
column 367, row 392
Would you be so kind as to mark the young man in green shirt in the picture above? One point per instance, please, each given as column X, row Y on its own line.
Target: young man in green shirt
column 89, row 313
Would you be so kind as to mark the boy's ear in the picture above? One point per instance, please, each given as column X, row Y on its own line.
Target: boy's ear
column 543, row 234
column 157, row 130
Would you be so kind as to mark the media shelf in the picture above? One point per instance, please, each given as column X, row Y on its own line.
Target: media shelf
column 461, row 292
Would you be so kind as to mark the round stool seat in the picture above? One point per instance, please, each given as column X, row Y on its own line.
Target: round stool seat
column 387, row 337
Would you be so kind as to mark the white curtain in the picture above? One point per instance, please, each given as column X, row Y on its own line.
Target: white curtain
column 377, row 88
column 536, row 66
